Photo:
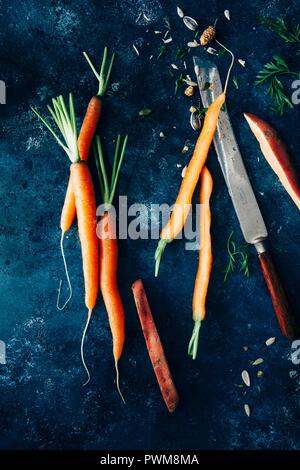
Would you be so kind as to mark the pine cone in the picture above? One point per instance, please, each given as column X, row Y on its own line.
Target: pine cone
column 208, row 35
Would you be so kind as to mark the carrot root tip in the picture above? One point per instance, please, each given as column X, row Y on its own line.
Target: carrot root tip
column 118, row 382
column 81, row 348
column 193, row 344
column 67, row 276
column 159, row 252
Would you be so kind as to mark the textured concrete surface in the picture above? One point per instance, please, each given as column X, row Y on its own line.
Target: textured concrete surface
column 42, row 402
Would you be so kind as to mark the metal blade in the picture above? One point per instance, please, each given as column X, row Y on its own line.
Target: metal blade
column 229, row 156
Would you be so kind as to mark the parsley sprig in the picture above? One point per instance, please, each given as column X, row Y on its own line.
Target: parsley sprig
column 269, row 75
column 290, row 34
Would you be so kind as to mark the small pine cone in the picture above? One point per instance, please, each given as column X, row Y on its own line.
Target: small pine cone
column 189, row 91
column 208, row 35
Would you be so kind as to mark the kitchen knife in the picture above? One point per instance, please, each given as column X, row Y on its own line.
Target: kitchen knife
column 242, row 195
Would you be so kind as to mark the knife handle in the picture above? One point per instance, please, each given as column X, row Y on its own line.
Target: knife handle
column 281, row 306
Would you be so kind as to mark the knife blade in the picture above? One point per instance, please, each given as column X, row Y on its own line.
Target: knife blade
column 242, row 194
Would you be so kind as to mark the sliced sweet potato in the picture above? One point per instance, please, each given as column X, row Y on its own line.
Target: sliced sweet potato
column 276, row 155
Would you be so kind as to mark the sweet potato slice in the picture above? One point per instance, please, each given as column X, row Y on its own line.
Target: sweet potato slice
column 154, row 346
column 276, row 155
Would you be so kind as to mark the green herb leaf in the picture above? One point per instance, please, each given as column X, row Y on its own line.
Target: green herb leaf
column 145, row 112
column 278, row 25
column 179, row 83
column 236, row 253
column 162, row 50
column 236, row 82
column 181, row 52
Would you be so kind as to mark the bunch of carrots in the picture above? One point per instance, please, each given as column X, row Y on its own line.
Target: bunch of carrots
column 99, row 256
column 197, row 170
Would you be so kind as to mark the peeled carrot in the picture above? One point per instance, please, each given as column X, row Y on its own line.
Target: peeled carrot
column 205, row 260
column 109, row 250
column 189, row 182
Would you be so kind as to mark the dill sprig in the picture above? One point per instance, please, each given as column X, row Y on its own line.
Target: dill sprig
column 236, row 253
column 162, row 50
column 290, row 34
column 269, row 75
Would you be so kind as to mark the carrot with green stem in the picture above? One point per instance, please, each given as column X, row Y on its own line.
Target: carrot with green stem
column 85, row 202
column 109, row 249
column 205, row 260
column 191, row 177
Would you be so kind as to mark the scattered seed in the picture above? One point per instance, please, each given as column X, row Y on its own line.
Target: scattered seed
column 151, row 57
column 167, row 41
column 184, row 65
column 174, row 66
column 260, row 373
column 211, row 50
column 190, row 23
column 246, row 378
column 195, row 121
column 245, row 348
column 270, row 341
column 146, row 17
column 193, row 109
column 247, row 410
column 178, row 165
column 193, row 44
column 190, row 82
column 185, row 148
column 145, row 112
column 242, row 62
column 258, row 361
column 227, row 14
column 183, row 171
column 180, row 12
column 136, row 49
column 189, row 91
column 157, row 32
column 162, row 135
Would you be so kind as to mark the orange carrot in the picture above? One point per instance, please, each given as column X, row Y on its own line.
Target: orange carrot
column 205, row 260
column 189, row 182
column 109, row 250
column 69, row 209
column 81, row 186
column 155, row 348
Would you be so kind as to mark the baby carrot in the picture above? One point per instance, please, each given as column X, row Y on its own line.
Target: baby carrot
column 205, row 260
column 109, row 250
column 189, row 182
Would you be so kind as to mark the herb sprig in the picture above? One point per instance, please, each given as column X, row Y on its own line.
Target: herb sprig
column 236, row 252
column 278, row 25
column 269, row 75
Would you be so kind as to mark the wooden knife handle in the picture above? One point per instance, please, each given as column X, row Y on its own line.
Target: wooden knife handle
column 284, row 315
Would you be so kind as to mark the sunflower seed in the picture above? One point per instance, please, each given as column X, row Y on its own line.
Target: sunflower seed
column 193, row 44
column 184, row 64
column 180, row 12
column 162, row 135
column 247, row 410
column 157, row 32
column 211, row 50
column 195, row 121
column 183, row 171
column 227, row 14
column 242, row 62
column 258, row 361
column 174, row 66
column 190, row 23
column 190, row 82
column 270, row 341
column 178, row 165
column 136, row 49
column 246, row 378
column 193, row 109
column 167, row 41
column 185, row 148
column 260, row 373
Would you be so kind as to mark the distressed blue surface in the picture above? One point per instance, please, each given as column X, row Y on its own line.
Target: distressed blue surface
column 42, row 402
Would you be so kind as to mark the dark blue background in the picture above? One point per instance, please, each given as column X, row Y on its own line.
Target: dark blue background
column 42, row 402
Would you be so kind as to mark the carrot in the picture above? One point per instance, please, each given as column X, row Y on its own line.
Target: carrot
column 82, row 186
column 109, row 250
column 205, row 260
column 189, row 182
column 94, row 108
column 69, row 210
column 155, row 348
